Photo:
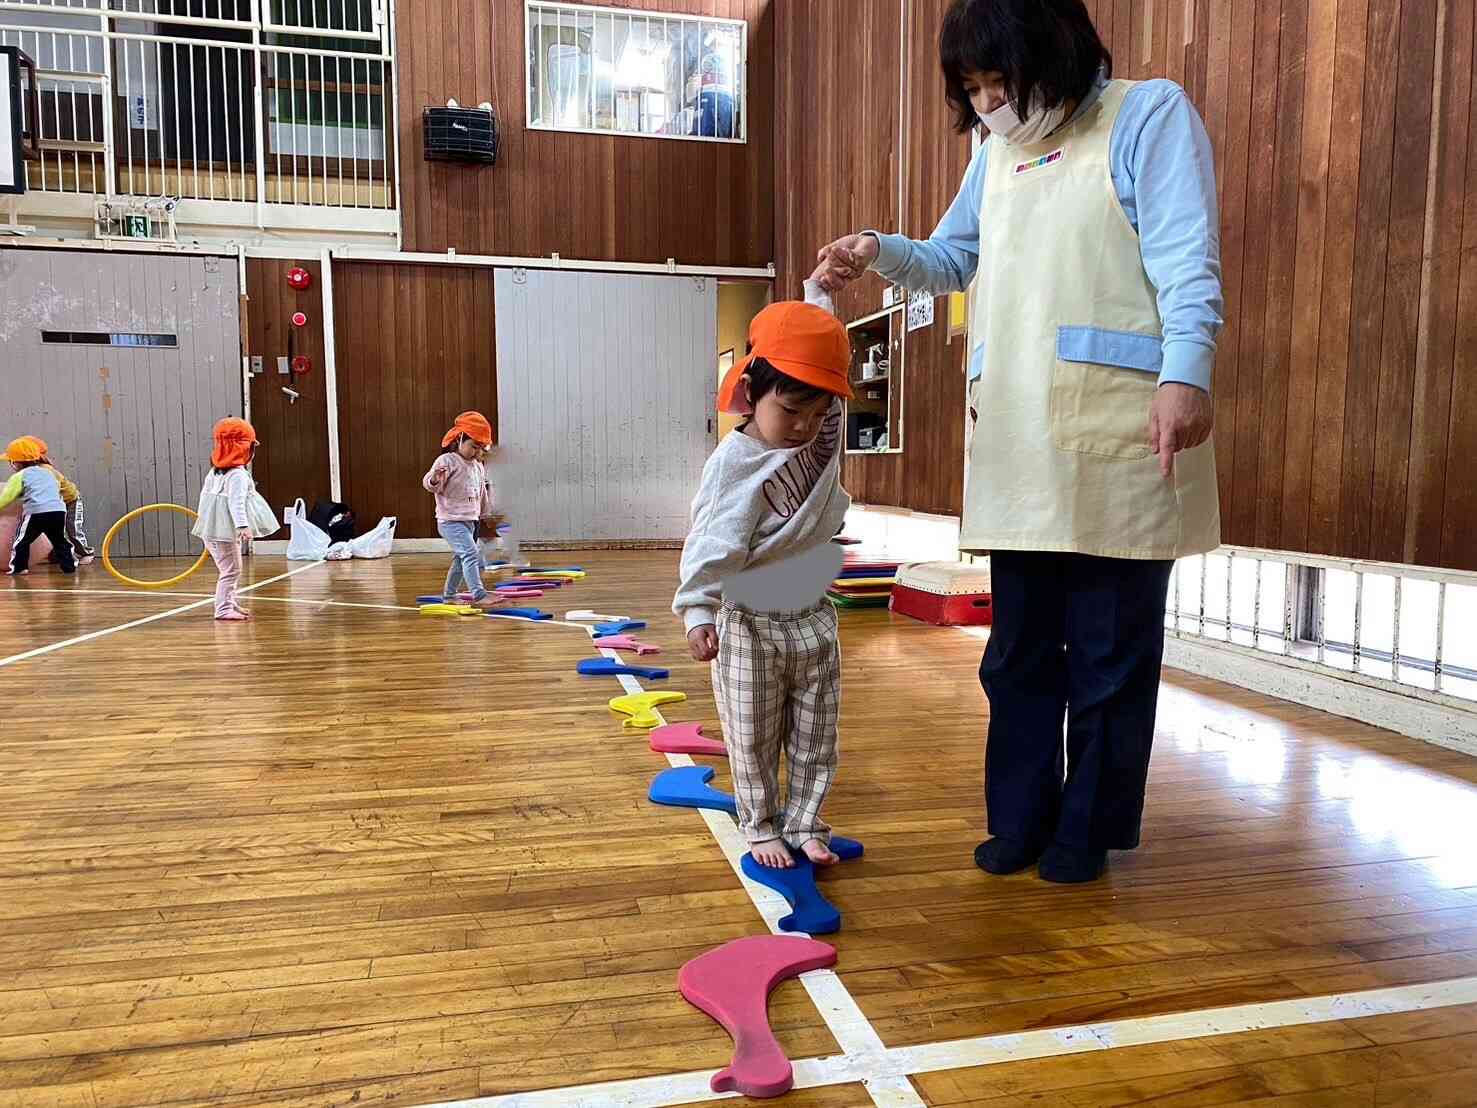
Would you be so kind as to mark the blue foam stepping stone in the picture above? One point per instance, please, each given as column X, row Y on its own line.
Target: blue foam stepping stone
column 687, row 787
column 609, row 667
column 812, row 913
column 533, row 583
column 618, row 627
column 434, row 599
column 520, row 613
column 556, row 569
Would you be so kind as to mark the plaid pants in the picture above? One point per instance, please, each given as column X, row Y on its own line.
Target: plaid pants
column 777, row 681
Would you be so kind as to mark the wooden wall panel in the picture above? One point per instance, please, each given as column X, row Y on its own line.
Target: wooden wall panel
column 848, row 66
column 293, row 459
column 582, row 196
column 416, row 345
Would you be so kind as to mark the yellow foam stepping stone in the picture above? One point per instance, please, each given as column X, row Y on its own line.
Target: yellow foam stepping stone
column 566, row 574
column 449, row 610
column 640, row 707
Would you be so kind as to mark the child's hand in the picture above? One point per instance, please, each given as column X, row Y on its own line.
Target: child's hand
column 243, row 535
column 703, row 642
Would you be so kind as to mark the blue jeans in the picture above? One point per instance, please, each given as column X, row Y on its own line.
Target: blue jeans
column 466, row 563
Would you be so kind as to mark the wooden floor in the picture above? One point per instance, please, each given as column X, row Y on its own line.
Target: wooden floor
column 350, row 855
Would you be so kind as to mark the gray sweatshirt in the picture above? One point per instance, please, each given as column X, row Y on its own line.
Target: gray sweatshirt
column 763, row 521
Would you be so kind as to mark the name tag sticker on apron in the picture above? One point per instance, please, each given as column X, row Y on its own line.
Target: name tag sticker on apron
column 1039, row 163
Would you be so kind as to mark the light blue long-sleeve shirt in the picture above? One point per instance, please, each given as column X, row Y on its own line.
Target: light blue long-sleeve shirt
column 1164, row 173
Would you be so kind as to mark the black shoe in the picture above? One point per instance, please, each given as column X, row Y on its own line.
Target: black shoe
column 1002, row 856
column 1064, row 865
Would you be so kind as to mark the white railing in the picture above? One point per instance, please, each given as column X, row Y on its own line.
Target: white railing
column 268, row 103
column 1405, row 628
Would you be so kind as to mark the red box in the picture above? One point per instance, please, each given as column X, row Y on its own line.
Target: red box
column 946, row 594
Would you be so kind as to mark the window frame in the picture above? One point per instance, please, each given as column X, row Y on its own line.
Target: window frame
column 741, row 79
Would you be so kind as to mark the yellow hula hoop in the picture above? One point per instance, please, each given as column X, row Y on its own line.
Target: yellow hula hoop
column 113, row 530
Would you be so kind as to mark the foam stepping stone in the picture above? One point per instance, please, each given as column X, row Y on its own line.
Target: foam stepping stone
column 584, row 615
column 432, row 598
column 609, row 667
column 811, row 912
column 567, row 574
column 732, row 984
column 521, row 593
column 626, row 642
column 685, row 738
column 687, row 787
column 444, row 609
column 532, row 583
column 641, row 707
column 519, row 613
column 617, row 627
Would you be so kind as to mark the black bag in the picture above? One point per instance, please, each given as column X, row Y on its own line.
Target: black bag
column 333, row 519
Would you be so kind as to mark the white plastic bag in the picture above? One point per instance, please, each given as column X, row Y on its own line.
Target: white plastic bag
column 376, row 543
column 339, row 552
column 309, row 543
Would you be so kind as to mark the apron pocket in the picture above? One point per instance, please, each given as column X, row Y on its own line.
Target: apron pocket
column 1101, row 387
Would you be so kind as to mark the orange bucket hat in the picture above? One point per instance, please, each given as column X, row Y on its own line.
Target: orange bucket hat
column 234, row 439
column 801, row 341
column 472, row 424
column 27, row 448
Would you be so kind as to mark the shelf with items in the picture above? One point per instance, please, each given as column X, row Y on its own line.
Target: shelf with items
column 872, row 423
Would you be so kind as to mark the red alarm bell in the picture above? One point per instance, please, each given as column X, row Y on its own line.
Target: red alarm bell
column 299, row 319
column 299, row 278
column 301, row 364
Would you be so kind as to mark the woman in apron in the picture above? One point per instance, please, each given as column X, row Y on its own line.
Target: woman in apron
column 1090, row 210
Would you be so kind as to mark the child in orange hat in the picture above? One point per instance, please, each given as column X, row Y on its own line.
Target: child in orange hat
column 458, row 480
column 231, row 512
column 45, row 513
column 755, row 568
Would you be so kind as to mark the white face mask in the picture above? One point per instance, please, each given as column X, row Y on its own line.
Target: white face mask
column 1039, row 122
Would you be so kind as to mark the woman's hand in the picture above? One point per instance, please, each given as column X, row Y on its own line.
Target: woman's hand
column 1180, row 418
column 703, row 642
column 844, row 260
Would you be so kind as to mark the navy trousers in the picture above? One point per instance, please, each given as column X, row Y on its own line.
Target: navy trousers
column 1080, row 639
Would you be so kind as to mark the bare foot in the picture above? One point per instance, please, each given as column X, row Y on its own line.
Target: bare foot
column 233, row 617
column 244, row 614
column 491, row 600
column 775, row 855
column 819, row 853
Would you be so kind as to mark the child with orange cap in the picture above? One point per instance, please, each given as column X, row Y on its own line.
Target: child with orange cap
column 231, row 512
column 46, row 514
column 458, row 480
column 755, row 568
column 72, row 504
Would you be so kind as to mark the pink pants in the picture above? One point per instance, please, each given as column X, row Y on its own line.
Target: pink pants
column 227, row 555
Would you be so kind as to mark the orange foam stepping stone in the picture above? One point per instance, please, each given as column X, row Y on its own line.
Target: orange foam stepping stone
column 732, row 984
column 685, row 738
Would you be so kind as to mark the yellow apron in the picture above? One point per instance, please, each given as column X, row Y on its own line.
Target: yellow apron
column 1060, row 458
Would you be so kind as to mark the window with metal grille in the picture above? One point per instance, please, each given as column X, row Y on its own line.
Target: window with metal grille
column 610, row 71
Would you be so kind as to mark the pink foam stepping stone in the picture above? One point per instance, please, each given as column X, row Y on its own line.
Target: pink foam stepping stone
column 627, row 642
column 732, row 984
column 685, row 738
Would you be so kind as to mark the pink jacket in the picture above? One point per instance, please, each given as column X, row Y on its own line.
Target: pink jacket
column 461, row 488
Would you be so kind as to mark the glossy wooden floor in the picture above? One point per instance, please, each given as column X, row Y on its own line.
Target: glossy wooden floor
column 352, row 855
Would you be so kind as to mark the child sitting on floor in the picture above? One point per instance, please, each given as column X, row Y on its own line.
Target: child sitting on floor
column 755, row 569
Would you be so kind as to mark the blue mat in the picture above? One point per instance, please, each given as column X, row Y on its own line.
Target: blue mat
column 609, row 667
column 520, row 613
column 618, row 627
column 687, row 787
column 812, row 913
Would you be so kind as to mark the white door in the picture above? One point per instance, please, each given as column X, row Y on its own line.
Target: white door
column 122, row 363
column 606, row 402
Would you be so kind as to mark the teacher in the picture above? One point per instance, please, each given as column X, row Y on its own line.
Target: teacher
column 1092, row 208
